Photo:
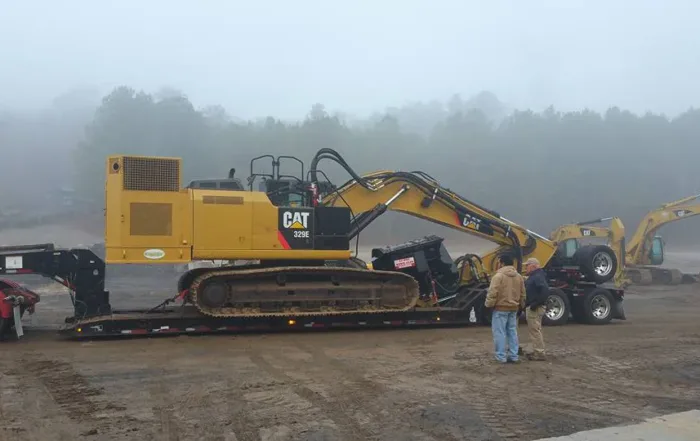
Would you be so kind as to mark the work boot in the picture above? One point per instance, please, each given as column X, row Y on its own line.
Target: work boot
column 536, row 357
column 520, row 351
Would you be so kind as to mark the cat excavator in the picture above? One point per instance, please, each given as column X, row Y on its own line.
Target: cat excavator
column 645, row 250
column 567, row 237
column 290, row 243
column 298, row 230
column 640, row 258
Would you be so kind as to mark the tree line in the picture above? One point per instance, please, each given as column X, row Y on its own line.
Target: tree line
column 539, row 169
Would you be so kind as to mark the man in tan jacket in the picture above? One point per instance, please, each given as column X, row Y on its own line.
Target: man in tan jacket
column 506, row 295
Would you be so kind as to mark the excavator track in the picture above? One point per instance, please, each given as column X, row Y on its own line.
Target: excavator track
column 301, row 291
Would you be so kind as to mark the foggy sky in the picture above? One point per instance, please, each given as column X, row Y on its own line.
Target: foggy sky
column 279, row 57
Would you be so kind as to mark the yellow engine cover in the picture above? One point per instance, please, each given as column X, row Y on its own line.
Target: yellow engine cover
column 149, row 218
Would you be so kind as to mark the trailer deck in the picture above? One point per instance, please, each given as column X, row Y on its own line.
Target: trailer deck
column 187, row 320
column 83, row 273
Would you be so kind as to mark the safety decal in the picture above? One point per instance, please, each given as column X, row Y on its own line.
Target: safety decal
column 408, row 262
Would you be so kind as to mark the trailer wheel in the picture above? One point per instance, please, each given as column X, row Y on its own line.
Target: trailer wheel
column 558, row 308
column 597, row 306
column 597, row 262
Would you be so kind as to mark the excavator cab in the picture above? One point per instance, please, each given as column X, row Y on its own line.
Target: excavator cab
column 656, row 251
column 283, row 190
column 569, row 247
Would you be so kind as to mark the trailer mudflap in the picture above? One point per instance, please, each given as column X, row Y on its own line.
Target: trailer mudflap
column 618, row 310
column 17, row 314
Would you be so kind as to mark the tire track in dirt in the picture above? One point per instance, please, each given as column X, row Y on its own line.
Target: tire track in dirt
column 10, row 409
column 486, row 392
column 335, row 411
column 631, row 370
column 564, row 378
column 163, row 410
column 82, row 403
column 239, row 421
column 598, row 385
column 360, row 394
column 614, row 389
column 23, row 410
column 183, row 409
column 596, row 404
column 500, row 411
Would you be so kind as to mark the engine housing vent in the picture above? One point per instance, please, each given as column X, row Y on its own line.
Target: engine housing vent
column 151, row 174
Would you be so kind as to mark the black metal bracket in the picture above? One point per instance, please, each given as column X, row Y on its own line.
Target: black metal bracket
column 78, row 269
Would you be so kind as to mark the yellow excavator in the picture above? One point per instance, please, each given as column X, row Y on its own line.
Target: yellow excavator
column 640, row 257
column 297, row 231
column 567, row 237
column 645, row 250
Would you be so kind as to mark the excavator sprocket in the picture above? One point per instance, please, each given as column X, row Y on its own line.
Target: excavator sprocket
column 299, row 291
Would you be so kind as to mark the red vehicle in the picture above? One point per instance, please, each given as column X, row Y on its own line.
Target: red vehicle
column 14, row 296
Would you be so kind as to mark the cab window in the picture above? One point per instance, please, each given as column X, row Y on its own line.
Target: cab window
column 656, row 254
column 570, row 247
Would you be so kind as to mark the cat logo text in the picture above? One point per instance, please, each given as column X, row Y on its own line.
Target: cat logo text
column 295, row 220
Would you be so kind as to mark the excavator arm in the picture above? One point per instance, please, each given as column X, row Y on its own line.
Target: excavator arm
column 419, row 195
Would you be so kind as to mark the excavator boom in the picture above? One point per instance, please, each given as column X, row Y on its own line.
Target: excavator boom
column 638, row 247
column 418, row 195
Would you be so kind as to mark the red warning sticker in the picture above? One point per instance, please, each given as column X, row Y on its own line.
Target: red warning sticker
column 407, row 262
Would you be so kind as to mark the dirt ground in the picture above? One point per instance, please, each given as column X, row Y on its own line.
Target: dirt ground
column 430, row 384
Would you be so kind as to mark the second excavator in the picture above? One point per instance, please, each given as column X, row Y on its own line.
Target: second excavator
column 645, row 250
column 567, row 237
column 640, row 258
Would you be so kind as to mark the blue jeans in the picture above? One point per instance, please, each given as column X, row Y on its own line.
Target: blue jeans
column 504, row 326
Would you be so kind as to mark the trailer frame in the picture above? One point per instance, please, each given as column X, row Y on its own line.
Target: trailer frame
column 83, row 273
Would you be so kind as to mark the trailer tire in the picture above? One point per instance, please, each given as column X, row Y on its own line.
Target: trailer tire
column 558, row 308
column 597, row 262
column 597, row 306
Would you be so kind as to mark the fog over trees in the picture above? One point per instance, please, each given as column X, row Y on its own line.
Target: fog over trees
column 539, row 169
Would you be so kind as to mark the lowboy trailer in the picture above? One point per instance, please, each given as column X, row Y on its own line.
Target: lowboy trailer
column 83, row 273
